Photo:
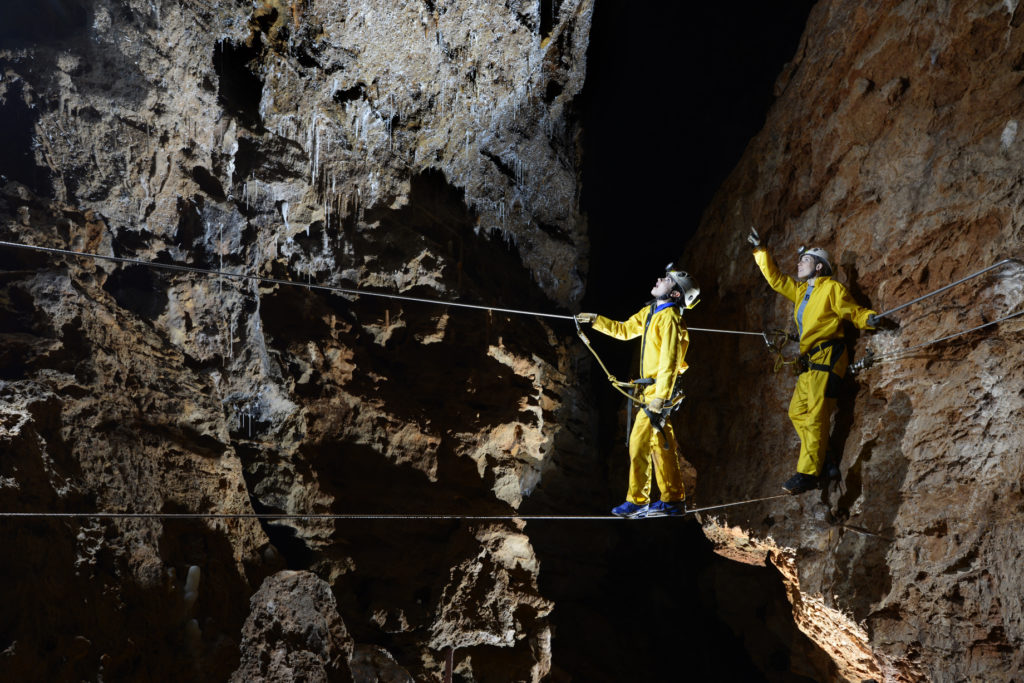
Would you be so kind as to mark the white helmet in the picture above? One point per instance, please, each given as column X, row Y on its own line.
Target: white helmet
column 686, row 284
column 818, row 253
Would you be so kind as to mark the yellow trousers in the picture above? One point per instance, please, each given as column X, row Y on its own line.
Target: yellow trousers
column 811, row 408
column 647, row 444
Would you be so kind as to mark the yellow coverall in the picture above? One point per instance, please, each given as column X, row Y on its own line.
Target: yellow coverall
column 664, row 347
column 821, row 341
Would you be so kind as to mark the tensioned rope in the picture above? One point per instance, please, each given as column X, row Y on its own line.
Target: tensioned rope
column 277, row 281
column 895, row 355
column 439, row 302
column 950, row 286
column 898, row 354
column 310, row 285
column 284, row 516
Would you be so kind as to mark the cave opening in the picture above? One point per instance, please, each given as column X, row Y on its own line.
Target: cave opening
column 652, row 594
column 240, row 90
column 46, row 21
column 138, row 289
column 17, row 156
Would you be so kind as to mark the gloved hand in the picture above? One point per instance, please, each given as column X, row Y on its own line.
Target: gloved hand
column 879, row 323
column 586, row 318
column 655, row 405
column 754, row 238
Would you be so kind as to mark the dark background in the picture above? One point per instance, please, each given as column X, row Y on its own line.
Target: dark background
column 673, row 94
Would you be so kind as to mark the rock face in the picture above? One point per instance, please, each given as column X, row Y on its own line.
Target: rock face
column 894, row 144
column 430, row 149
column 426, row 149
column 294, row 633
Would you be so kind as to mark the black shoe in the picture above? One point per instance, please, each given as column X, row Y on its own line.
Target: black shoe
column 800, row 483
column 832, row 472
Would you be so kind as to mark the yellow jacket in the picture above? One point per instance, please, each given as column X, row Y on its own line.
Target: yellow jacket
column 664, row 345
column 828, row 306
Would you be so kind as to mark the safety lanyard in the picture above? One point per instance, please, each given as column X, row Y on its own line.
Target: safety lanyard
column 655, row 308
column 800, row 310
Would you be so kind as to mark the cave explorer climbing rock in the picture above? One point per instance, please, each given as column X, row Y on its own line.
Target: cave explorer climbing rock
column 662, row 352
column 821, row 304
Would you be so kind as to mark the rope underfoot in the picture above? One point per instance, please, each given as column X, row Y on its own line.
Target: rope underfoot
column 284, row 516
column 739, row 502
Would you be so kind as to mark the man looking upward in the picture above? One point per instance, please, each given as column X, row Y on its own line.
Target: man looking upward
column 664, row 340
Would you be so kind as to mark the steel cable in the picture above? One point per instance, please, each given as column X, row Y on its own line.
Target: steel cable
column 309, row 285
column 286, row 516
column 899, row 354
column 949, row 286
column 276, row 281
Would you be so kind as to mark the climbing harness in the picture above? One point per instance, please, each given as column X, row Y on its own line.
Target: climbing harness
column 776, row 340
column 871, row 358
column 658, row 418
column 617, row 384
column 805, row 363
column 631, row 388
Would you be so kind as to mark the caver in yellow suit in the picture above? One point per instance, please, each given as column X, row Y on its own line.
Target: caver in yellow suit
column 820, row 306
column 663, row 349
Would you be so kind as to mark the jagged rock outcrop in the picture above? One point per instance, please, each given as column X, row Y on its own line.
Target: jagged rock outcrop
column 426, row 148
column 894, row 144
column 294, row 633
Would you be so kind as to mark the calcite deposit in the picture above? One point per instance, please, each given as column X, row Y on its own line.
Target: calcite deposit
column 425, row 149
column 894, row 144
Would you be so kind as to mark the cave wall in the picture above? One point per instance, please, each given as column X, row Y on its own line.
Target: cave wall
column 424, row 148
column 894, row 144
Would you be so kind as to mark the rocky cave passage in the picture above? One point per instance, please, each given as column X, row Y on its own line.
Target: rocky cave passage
column 449, row 150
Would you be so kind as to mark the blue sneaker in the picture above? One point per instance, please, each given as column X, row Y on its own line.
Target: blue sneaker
column 660, row 508
column 631, row 510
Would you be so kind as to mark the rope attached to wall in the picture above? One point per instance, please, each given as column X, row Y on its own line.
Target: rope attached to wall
column 773, row 339
column 873, row 359
column 272, row 516
column 312, row 286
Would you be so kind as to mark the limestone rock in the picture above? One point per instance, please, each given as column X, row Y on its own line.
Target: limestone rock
column 294, row 633
column 893, row 144
column 372, row 664
column 427, row 149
